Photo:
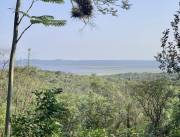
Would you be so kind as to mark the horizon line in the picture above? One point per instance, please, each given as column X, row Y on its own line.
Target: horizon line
column 88, row 59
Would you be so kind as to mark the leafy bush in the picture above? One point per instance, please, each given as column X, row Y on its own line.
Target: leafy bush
column 44, row 120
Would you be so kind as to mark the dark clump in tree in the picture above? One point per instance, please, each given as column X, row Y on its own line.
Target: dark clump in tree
column 82, row 9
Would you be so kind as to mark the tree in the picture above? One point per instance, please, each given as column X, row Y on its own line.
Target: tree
column 169, row 57
column 153, row 97
column 45, row 20
column 81, row 9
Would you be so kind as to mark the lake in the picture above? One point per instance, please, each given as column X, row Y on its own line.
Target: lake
column 99, row 67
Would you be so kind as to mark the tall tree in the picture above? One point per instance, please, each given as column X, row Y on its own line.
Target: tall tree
column 81, row 9
column 153, row 97
column 45, row 20
column 169, row 57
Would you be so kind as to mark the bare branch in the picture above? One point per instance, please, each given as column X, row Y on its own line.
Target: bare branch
column 24, row 32
column 33, row 1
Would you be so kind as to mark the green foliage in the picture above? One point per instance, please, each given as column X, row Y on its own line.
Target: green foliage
column 169, row 57
column 47, row 21
column 2, row 118
column 96, row 112
column 174, row 125
column 89, row 105
column 82, row 9
column 153, row 97
column 131, row 132
column 176, row 112
column 44, row 120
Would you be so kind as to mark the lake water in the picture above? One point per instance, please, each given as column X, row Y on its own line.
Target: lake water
column 100, row 67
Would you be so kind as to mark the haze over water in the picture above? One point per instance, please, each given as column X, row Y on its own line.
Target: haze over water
column 99, row 67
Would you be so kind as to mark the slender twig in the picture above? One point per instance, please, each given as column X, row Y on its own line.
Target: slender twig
column 24, row 32
column 25, row 14
column 83, row 19
column 72, row 3
column 33, row 1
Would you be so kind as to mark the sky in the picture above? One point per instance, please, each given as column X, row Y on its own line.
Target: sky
column 133, row 35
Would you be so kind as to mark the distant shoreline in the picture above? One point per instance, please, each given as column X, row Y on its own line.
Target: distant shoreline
column 99, row 67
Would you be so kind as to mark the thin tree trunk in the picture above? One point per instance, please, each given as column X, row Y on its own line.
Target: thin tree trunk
column 11, row 70
column 128, row 120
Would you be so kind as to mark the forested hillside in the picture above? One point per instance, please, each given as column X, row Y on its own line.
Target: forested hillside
column 67, row 105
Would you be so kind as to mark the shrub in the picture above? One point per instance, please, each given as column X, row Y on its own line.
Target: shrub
column 44, row 120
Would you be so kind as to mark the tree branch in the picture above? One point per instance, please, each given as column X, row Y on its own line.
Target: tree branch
column 24, row 32
column 33, row 1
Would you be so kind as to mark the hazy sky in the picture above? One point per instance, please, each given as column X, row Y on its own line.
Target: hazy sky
column 134, row 34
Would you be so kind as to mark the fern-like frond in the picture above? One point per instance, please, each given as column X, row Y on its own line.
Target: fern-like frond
column 47, row 21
